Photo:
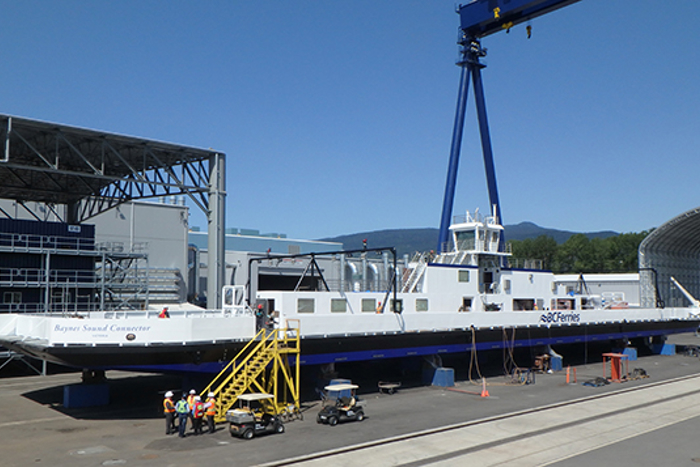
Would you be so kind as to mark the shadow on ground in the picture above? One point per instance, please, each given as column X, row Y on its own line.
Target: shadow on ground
column 131, row 398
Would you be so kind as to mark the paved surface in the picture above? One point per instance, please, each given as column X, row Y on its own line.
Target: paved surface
column 542, row 436
column 639, row 427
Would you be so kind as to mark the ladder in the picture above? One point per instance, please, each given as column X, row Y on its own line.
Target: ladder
column 263, row 365
column 416, row 274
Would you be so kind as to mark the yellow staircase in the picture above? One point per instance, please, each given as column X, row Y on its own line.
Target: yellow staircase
column 263, row 365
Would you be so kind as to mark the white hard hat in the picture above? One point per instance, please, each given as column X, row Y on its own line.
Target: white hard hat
column 211, row 394
column 197, row 398
column 169, row 394
column 192, row 391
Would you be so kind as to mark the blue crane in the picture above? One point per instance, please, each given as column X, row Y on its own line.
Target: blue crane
column 479, row 19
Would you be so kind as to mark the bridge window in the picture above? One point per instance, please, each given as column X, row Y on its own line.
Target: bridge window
column 463, row 276
column 339, row 305
column 465, row 240
column 306, row 305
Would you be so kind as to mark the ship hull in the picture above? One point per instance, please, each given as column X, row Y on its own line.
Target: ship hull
column 205, row 357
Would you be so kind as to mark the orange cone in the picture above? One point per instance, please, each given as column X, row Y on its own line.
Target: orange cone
column 484, row 392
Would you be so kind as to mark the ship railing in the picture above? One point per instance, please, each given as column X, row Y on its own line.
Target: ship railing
column 461, row 257
column 174, row 314
column 525, row 263
column 336, row 285
column 468, row 218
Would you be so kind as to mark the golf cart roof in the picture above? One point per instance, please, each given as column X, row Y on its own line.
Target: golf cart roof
column 341, row 387
column 256, row 396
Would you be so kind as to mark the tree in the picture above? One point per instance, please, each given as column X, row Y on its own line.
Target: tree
column 580, row 254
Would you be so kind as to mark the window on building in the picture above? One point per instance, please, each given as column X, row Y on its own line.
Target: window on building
column 421, row 304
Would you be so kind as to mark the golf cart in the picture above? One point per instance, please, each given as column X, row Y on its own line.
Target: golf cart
column 253, row 416
column 341, row 405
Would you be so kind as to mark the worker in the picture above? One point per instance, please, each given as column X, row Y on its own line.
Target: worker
column 210, row 410
column 259, row 317
column 190, row 404
column 379, row 307
column 164, row 313
column 197, row 415
column 169, row 411
column 182, row 412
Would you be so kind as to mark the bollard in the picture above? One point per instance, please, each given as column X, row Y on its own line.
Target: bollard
column 568, row 368
column 575, row 381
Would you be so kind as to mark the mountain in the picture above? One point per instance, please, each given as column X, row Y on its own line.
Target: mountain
column 408, row 241
column 530, row 230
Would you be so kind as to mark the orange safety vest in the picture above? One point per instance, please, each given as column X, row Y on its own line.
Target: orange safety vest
column 168, row 406
column 211, row 410
column 198, row 409
column 190, row 401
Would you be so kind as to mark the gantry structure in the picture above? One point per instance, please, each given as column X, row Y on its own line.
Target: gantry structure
column 478, row 19
column 77, row 173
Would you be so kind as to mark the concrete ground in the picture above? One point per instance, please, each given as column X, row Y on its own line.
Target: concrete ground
column 36, row 429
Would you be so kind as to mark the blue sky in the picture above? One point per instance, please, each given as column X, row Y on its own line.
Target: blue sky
column 336, row 117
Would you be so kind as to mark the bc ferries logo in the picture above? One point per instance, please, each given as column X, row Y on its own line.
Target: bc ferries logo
column 559, row 317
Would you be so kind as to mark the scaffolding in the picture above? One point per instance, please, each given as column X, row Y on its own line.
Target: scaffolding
column 74, row 174
column 263, row 365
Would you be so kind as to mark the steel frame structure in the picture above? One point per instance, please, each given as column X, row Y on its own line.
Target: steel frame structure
column 672, row 249
column 479, row 19
column 90, row 172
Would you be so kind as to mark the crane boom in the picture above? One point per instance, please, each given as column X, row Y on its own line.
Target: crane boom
column 484, row 17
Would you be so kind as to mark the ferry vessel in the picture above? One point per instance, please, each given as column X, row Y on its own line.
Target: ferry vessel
column 473, row 296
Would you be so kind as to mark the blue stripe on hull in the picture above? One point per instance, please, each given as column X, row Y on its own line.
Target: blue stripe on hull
column 369, row 355
column 490, row 345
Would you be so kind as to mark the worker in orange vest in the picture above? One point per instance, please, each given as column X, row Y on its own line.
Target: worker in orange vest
column 210, row 410
column 198, row 415
column 190, row 405
column 169, row 411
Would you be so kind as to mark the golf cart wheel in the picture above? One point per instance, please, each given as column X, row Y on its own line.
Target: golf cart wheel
column 333, row 421
column 279, row 428
column 360, row 416
column 248, row 434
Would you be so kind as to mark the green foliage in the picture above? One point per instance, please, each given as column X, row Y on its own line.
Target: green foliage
column 581, row 254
